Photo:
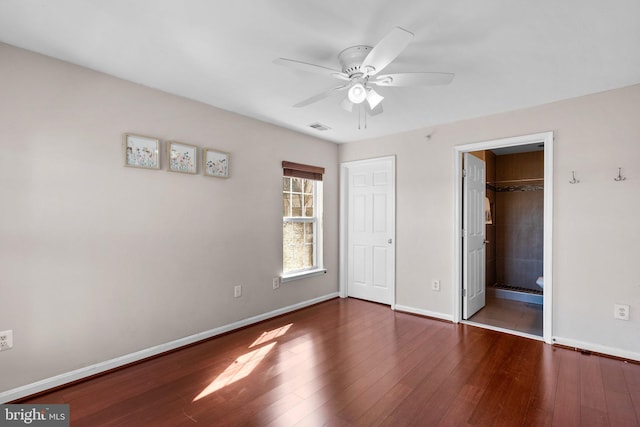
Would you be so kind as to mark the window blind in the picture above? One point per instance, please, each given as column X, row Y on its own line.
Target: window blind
column 298, row 170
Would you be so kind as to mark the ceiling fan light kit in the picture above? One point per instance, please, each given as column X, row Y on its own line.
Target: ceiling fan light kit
column 360, row 66
column 357, row 94
column 347, row 105
column 374, row 98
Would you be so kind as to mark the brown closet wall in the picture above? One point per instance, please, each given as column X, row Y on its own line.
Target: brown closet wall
column 518, row 219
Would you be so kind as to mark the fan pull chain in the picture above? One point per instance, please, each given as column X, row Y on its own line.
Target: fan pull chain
column 362, row 112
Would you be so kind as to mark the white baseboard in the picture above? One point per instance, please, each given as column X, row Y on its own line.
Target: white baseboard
column 611, row 351
column 78, row 374
column 421, row 312
column 596, row 348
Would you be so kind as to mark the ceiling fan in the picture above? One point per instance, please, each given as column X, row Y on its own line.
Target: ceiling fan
column 360, row 68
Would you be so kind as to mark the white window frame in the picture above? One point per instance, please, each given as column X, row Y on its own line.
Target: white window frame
column 318, row 245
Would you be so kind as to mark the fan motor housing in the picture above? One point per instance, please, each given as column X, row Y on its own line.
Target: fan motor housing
column 351, row 58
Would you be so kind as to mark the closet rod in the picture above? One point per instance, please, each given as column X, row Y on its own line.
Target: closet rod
column 517, row 180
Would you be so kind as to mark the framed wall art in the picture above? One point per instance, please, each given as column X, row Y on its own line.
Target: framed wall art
column 182, row 157
column 215, row 163
column 139, row 151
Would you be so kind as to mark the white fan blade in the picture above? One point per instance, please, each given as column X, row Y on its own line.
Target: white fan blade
column 311, row 68
column 346, row 104
column 386, row 51
column 413, row 79
column 374, row 111
column 319, row 96
column 373, row 98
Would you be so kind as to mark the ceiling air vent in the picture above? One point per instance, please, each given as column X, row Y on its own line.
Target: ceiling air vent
column 319, row 126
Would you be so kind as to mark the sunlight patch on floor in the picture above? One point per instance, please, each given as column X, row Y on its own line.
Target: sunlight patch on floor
column 239, row 369
column 271, row 335
column 245, row 364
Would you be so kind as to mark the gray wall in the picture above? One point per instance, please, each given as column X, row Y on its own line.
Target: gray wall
column 98, row 260
column 596, row 230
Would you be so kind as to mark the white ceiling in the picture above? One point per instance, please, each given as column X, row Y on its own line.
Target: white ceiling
column 506, row 54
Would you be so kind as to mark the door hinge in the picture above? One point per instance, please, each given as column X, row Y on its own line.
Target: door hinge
column 464, row 173
column 464, row 292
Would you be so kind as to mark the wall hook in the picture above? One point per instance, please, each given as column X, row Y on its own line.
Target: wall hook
column 574, row 180
column 619, row 177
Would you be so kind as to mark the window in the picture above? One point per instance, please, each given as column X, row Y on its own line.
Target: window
column 301, row 220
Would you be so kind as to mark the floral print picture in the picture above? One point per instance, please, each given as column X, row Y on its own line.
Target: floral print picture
column 141, row 151
column 182, row 157
column 215, row 163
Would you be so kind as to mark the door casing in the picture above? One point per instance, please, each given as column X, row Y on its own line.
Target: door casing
column 547, row 139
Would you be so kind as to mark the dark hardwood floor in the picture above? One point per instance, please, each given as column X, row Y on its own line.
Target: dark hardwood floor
column 354, row 363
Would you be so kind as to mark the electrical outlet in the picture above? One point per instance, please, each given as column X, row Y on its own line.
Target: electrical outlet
column 621, row 311
column 276, row 282
column 435, row 285
column 237, row 291
column 6, row 340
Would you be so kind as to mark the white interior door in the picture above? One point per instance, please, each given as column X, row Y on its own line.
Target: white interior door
column 371, row 230
column 474, row 254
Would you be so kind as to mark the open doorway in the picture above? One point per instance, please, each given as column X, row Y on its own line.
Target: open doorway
column 514, row 233
column 511, row 276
